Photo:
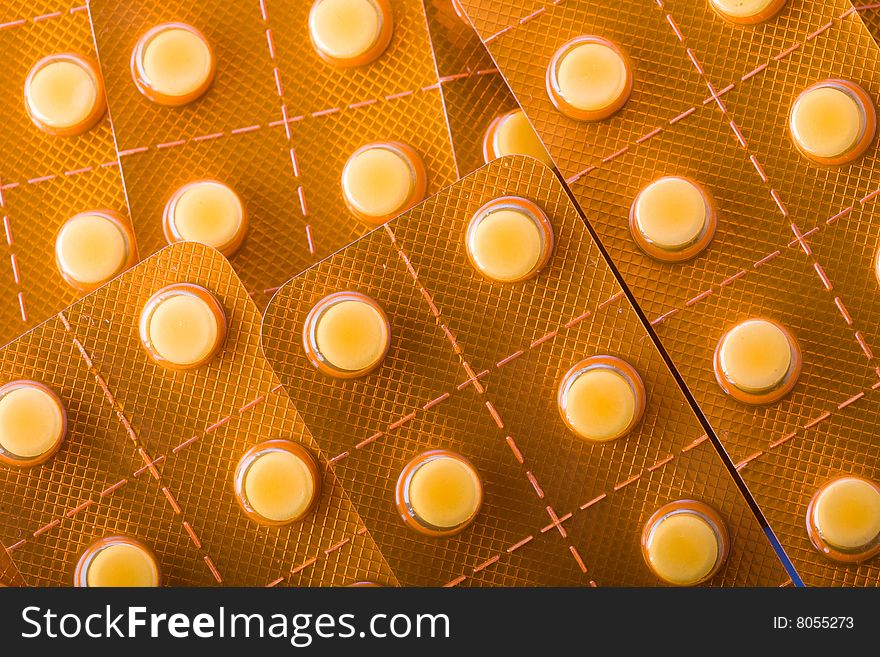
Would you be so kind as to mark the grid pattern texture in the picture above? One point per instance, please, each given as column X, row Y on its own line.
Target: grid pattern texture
column 9, row 575
column 277, row 125
column 794, row 240
column 870, row 17
column 44, row 179
column 474, row 367
column 474, row 93
column 150, row 452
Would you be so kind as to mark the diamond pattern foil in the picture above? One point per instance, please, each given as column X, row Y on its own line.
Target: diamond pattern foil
column 44, row 179
column 474, row 367
column 150, row 452
column 277, row 125
column 794, row 240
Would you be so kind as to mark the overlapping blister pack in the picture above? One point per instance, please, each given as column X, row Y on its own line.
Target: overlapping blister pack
column 752, row 126
column 147, row 453
column 277, row 101
column 488, row 355
column 455, row 380
column 474, row 93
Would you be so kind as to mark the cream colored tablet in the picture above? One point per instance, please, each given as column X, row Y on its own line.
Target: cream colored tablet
column 444, row 492
column 589, row 79
column 277, row 482
column 350, row 32
column 509, row 239
column 757, row 361
column 346, row 334
column 33, row 423
column 682, row 548
column 672, row 219
column 512, row 134
column 747, row 11
column 209, row 212
column 279, row 486
column 118, row 562
column 183, row 326
column 382, row 180
column 64, row 94
column 601, row 398
column 93, row 247
column 833, row 122
column 844, row 519
column 173, row 64
column 439, row 493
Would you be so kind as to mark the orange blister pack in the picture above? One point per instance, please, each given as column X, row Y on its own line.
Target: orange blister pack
column 407, row 356
column 773, row 248
column 273, row 105
column 59, row 175
column 160, row 460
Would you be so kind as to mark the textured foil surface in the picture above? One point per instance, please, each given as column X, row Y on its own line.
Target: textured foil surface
column 150, row 452
column 44, row 179
column 474, row 367
column 277, row 125
column 474, row 93
column 795, row 240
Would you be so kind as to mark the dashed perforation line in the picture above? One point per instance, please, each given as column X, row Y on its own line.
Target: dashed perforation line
column 809, row 424
column 558, row 522
column 491, row 409
column 285, row 119
column 41, row 18
column 13, row 259
column 471, row 380
column 800, row 237
column 311, row 561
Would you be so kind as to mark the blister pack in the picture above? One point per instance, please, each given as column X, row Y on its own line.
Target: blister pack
column 276, row 132
column 725, row 156
column 145, row 440
column 474, row 93
column 496, row 410
column 61, row 193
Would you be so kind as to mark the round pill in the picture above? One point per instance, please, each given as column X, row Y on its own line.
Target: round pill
column 601, row 398
column 93, row 247
column 350, row 33
column 117, row 561
column 64, row 94
column 33, row 423
column 512, row 134
column 382, row 180
column 206, row 211
column 277, row 482
column 439, row 493
column 509, row 239
column 182, row 326
column 672, row 219
column 589, row 79
column 685, row 543
column 843, row 519
column 833, row 121
column 747, row 11
column 173, row 64
column 757, row 361
column 346, row 335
